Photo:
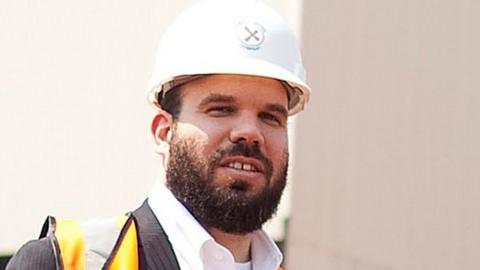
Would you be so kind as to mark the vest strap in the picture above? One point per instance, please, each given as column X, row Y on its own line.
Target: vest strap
column 69, row 236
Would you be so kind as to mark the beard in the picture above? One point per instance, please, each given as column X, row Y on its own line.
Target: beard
column 227, row 206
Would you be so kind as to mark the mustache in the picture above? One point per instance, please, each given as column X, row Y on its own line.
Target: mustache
column 242, row 148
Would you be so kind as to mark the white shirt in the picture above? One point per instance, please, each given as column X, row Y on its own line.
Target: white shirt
column 195, row 248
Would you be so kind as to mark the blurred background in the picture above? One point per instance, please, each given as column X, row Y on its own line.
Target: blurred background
column 385, row 160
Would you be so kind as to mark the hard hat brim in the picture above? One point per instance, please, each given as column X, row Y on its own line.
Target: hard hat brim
column 239, row 66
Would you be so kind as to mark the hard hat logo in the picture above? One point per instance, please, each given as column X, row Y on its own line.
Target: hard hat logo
column 251, row 35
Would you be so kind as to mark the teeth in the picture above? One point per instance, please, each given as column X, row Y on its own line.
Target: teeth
column 242, row 166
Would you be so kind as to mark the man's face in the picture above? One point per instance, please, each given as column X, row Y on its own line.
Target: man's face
column 229, row 152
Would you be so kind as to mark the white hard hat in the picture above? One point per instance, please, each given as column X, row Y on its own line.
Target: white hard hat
column 230, row 37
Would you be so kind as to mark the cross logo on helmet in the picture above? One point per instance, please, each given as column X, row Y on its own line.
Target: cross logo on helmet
column 251, row 35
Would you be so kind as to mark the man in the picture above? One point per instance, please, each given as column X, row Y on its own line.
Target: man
column 227, row 77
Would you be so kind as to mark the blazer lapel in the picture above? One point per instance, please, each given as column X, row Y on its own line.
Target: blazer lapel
column 155, row 250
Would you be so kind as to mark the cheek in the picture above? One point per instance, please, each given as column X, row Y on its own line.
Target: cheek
column 187, row 130
column 206, row 136
column 277, row 149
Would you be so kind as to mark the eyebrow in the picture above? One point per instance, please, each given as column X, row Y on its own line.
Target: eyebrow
column 214, row 98
column 277, row 108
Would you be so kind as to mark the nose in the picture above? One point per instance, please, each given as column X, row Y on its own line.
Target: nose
column 247, row 129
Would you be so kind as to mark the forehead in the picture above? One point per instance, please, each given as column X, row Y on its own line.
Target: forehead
column 241, row 88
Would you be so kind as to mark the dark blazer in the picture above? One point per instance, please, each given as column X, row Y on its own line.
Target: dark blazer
column 155, row 250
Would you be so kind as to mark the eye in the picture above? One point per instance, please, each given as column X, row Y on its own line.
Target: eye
column 272, row 119
column 218, row 111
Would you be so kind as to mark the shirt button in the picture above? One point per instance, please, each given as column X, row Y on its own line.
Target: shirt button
column 218, row 256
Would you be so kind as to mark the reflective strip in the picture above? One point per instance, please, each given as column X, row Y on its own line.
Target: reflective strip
column 126, row 257
column 100, row 238
column 69, row 236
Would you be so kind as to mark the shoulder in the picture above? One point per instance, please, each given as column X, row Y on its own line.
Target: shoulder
column 35, row 254
column 40, row 254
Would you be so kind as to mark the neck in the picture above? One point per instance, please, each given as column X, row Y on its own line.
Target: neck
column 239, row 245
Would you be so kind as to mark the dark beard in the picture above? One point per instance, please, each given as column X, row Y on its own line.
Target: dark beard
column 228, row 208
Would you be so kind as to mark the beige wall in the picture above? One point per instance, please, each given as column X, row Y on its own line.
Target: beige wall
column 74, row 138
column 387, row 170
column 385, row 173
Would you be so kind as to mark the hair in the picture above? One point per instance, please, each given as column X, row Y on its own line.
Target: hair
column 171, row 101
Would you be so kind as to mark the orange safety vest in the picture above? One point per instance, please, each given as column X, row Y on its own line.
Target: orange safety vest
column 73, row 252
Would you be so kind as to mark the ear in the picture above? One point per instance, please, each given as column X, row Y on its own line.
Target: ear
column 162, row 128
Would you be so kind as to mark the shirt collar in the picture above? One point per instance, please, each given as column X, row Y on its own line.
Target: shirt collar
column 265, row 253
